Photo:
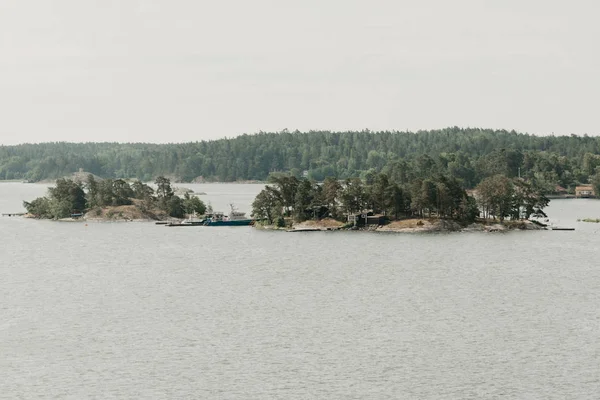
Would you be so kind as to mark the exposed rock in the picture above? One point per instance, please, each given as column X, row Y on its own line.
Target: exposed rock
column 132, row 212
column 180, row 191
column 495, row 228
column 324, row 225
column 421, row 225
column 407, row 225
column 82, row 176
column 417, row 225
column 474, row 227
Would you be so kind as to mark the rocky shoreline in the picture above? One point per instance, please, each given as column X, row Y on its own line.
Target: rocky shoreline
column 414, row 225
column 133, row 213
column 128, row 213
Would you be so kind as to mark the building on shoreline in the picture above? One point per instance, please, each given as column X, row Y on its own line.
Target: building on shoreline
column 586, row 191
column 367, row 218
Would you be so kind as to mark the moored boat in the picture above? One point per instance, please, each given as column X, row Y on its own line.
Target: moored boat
column 234, row 218
column 186, row 223
column 191, row 221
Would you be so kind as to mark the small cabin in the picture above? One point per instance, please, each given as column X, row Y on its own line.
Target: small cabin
column 560, row 190
column 586, row 191
column 367, row 218
column 378, row 219
column 354, row 218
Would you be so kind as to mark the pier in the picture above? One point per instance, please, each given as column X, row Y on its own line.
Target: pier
column 17, row 214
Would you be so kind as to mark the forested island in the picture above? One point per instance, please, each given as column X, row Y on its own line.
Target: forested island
column 288, row 201
column 467, row 155
column 113, row 199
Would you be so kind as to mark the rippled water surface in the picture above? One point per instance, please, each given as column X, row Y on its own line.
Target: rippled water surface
column 135, row 310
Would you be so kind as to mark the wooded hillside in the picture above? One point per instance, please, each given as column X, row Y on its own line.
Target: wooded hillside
column 469, row 155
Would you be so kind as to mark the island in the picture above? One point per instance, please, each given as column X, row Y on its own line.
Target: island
column 430, row 203
column 113, row 200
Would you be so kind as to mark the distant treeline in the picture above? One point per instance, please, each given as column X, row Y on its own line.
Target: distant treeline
column 469, row 155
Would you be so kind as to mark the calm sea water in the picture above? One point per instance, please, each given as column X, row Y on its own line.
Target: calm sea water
column 135, row 310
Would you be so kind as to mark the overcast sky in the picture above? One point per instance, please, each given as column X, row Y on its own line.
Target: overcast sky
column 186, row 70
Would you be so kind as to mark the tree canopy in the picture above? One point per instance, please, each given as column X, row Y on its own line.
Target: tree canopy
column 69, row 197
column 437, row 195
column 469, row 155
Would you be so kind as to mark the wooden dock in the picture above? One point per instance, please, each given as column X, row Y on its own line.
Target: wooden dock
column 17, row 214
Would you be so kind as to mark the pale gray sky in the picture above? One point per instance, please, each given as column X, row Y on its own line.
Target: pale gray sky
column 184, row 70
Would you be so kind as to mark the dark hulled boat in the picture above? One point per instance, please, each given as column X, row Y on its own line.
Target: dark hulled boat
column 235, row 218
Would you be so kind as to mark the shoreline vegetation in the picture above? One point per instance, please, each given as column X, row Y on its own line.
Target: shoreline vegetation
column 115, row 200
column 434, row 204
column 591, row 220
column 558, row 164
column 431, row 203
column 76, row 176
column 449, row 179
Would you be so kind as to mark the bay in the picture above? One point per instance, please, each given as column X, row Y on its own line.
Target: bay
column 135, row 310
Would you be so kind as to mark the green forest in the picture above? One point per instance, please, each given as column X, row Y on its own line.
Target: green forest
column 69, row 197
column 443, row 197
column 466, row 154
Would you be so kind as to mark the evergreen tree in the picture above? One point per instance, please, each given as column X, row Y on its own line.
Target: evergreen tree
column 286, row 186
column 192, row 204
column 354, row 197
column 267, row 205
column 331, row 194
column 164, row 195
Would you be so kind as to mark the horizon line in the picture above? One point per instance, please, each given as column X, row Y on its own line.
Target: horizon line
column 297, row 131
